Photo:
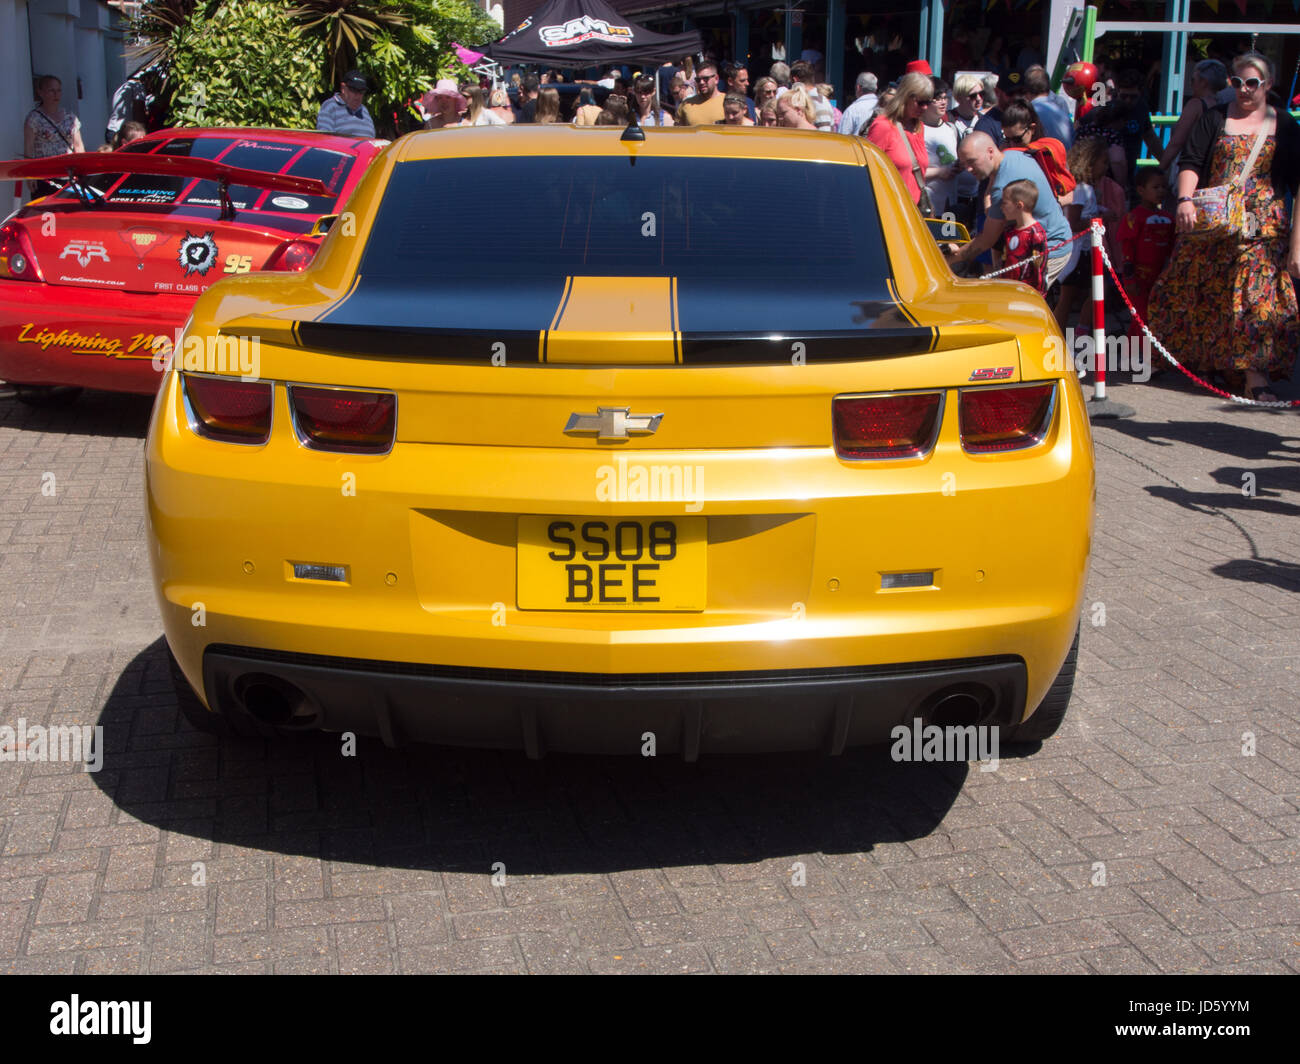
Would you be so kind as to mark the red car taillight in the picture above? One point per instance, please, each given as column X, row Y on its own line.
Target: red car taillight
column 228, row 409
column 17, row 262
column 295, row 256
column 886, row 426
column 1005, row 419
column 339, row 419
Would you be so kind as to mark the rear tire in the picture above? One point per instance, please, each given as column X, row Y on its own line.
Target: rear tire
column 45, row 394
column 1050, row 714
column 191, row 706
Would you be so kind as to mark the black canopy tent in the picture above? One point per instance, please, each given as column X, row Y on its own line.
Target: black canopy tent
column 583, row 33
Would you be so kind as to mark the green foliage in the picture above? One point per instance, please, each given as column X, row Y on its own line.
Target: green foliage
column 272, row 62
column 246, row 65
column 451, row 20
column 348, row 27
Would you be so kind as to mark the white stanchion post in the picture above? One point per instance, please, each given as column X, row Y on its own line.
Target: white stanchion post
column 1098, row 318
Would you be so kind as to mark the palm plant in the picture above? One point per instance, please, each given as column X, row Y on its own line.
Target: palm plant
column 348, row 27
column 156, row 22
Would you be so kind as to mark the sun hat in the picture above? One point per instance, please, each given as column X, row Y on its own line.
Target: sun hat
column 446, row 88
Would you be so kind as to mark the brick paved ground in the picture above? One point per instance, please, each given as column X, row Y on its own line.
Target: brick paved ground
column 314, row 863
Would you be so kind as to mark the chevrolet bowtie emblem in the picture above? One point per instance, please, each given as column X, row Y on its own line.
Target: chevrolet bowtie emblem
column 612, row 423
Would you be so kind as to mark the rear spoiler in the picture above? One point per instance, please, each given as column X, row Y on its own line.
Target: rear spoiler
column 83, row 164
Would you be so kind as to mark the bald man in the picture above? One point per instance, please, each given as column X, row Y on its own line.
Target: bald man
column 978, row 155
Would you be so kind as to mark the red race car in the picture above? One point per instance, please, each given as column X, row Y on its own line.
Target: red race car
column 96, row 279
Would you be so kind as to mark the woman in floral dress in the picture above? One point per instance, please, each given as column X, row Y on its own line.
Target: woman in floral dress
column 1229, row 306
column 50, row 130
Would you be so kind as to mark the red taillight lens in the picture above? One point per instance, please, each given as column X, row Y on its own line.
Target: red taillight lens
column 17, row 263
column 337, row 419
column 294, row 256
column 228, row 409
column 1005, row 419
column 886, row 426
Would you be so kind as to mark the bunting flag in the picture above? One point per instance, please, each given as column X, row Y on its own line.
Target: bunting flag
column 1213, row 5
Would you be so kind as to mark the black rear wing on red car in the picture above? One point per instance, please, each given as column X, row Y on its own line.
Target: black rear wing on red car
column 84, row 164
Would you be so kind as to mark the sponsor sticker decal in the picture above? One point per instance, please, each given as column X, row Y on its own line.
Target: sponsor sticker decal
column 198, row 254
column 585, row 28
column 84, row 251
column 290, row 203
column 138, row 345
column 142, row 240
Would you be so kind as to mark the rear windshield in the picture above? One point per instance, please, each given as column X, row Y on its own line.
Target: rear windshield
column 276, row 157
column 771, row 224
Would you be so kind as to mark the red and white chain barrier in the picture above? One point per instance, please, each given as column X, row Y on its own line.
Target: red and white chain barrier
column 1035, row 255
column 1099, row 254
column 1100, row 259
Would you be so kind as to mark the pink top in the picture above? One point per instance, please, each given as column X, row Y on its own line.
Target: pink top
column 888, row 137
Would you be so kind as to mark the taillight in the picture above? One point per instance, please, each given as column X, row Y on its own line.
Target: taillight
column 340, row 419
column 295, row 256
column 1005, row 419
column 886, row 426
column 17, row 262
column 228, row 409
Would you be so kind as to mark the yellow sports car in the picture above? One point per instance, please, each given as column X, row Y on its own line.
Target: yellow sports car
column 681, row 440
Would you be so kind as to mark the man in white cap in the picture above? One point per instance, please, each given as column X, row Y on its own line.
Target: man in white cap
column 344, row 112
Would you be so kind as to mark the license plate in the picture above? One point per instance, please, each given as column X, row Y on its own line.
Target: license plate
column 630, row 563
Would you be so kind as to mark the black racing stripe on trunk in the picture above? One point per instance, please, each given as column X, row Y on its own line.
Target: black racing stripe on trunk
column 723, row 350
column 793, row 307
column 431, row 345
column 452, row 321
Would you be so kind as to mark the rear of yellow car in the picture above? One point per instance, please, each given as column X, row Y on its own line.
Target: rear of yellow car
column 696, row 437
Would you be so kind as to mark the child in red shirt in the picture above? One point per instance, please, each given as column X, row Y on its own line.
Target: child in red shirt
column 1026, row 240
column 1146, row 239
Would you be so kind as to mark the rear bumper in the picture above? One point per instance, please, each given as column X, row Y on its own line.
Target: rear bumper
column 62, row 335
column 686, row 713
column 798, row 545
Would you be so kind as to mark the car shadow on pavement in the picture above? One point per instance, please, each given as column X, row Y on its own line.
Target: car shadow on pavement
column 446, row 809
column 89, row 414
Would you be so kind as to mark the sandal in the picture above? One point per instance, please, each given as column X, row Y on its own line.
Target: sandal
column 1264, row 394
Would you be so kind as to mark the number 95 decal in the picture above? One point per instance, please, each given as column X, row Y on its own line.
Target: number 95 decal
column 238, row 264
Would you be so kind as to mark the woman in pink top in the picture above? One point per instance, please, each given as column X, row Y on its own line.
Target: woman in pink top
column 899, row 118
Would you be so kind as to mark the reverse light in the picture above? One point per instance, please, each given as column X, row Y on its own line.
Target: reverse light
column 901, row 581
column 1000, row 419
column 228, row 409
column 17, row 261
column 295, row 256
column 343, row 419
column 886, row 426
column 313, row 571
